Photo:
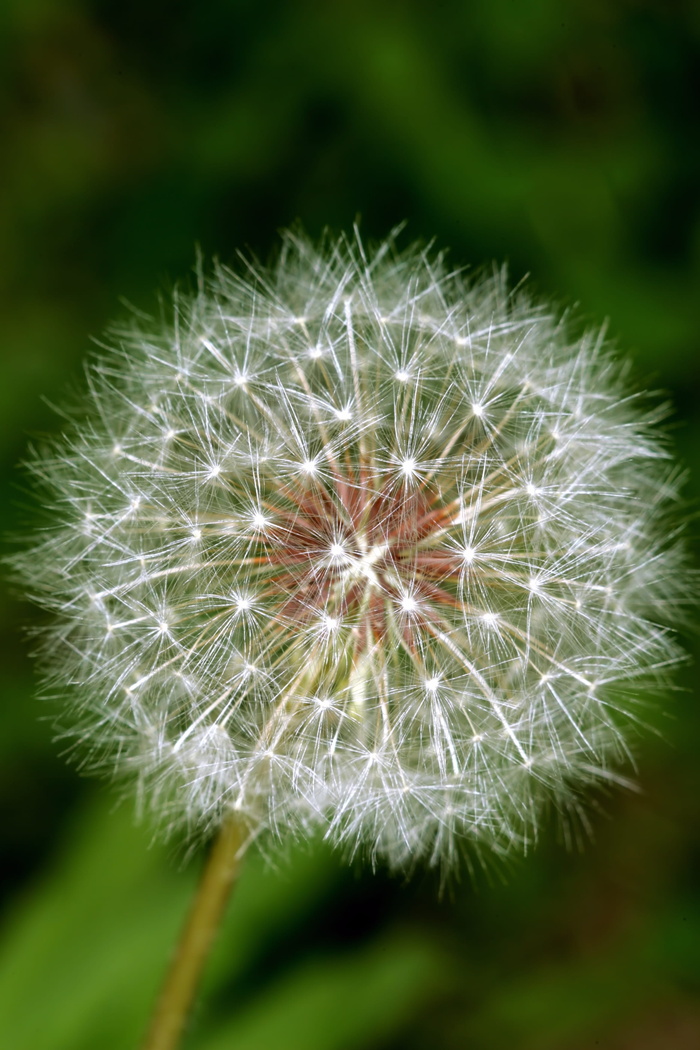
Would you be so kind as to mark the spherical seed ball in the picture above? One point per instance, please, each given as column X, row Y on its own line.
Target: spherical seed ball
column 359, row 543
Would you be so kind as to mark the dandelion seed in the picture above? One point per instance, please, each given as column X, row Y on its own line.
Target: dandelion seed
column 259, row 521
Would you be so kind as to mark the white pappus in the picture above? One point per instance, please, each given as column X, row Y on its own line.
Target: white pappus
column 358, row 542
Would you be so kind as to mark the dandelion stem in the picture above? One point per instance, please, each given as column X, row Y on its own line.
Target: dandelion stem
column 180, row 986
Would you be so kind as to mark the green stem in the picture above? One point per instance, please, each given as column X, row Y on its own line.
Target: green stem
column 181, row 982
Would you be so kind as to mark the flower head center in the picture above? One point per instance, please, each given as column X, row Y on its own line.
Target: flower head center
column 367, row 553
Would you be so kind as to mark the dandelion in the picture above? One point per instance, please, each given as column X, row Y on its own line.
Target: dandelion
column 357, row 543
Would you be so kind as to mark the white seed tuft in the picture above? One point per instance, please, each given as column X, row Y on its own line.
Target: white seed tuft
column 414, row 629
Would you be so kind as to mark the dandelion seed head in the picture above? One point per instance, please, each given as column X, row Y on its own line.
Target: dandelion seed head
column 414, row 630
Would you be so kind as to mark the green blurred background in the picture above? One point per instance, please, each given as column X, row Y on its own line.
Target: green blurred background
column 558, row 136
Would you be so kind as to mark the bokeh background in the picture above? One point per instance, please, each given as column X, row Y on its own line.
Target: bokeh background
column 559, row 136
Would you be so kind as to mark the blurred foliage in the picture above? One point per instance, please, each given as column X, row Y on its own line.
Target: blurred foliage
column 561, row 137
